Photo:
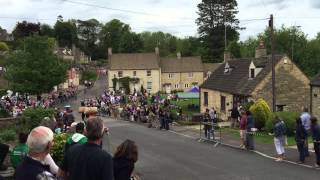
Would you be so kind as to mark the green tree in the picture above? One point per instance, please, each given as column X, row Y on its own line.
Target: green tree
column 65, row 33
column 46, row 30
column 248, row 47
column 25, row 29
column 214, row 17
column 34, row 68
column 261, row 113
column 88, row 35
column 4, row 46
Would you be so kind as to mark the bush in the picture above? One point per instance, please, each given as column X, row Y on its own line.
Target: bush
column 57, row 150
column 7, row 135
column 261, row 113
column 89, row 76
column 32, row 118
column 289, row 119
column 4, row 113
column 248, row 105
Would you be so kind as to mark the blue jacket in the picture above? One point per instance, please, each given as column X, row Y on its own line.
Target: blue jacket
column 250, row 123
column 279, row 129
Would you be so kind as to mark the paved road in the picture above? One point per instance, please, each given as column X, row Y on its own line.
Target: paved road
column 167, row 156
column 164, row 155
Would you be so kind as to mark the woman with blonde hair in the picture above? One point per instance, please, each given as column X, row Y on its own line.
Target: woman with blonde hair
column 124, row 159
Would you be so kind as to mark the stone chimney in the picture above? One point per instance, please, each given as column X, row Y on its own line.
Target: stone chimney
column 261, row 50
column 179, row 55
column 156, row 50
column 226, row 56
column 109, row 51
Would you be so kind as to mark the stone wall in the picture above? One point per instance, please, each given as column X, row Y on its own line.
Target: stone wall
column 6, row 122
column 214, row 100
column 292, row 87
column 181, row 79
column 143, row 78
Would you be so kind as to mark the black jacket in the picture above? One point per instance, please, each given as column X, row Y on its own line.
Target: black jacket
column 301, row 134
column 123, row 168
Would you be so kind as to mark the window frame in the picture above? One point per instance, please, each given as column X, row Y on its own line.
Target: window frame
column 205, row 98
column 149, row 73
column 223, row 103
column 120, row 73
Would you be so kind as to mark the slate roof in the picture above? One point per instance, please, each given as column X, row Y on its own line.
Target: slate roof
column 134, row 61
column 210, row 67
column 315, row 81
column 237, row 81
column 184, row 64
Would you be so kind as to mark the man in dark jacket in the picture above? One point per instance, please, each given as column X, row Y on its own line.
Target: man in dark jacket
column 88, row 161
column 300, row 137
column 250, row 132
column 234, row 116
column 315, row 129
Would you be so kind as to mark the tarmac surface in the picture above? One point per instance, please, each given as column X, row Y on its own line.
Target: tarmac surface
column 165, row 155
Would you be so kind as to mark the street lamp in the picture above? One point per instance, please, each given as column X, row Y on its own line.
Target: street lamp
column 294, row 28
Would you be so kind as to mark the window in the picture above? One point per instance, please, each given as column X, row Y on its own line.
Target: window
column 252, row 73
column 205, row 98
column 134, row 73
column 120, row 74
column 149, row 86
column 186, row 85
column 190, row 75
column 171, row 75
column 176, row 86
column 148, row 73
column 223, row 103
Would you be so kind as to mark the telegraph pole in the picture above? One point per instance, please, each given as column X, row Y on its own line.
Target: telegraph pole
column 273, row 64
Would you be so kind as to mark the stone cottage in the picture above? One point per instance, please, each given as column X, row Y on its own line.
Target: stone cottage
column 144, row 67
column 315, row 96
column 242, row 80
column 181, row 73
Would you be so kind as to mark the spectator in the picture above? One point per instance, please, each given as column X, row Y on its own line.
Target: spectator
column 213, row 120
column 243, row 126
column 40, row 141
column 300, row 137
column 279, row 132
column 124, row 158
column 88, row 161
column 76, row 138
column 234, row 116
column 206, row 122
column 4, row 149
column 250, row 131
column 305, row 119
column 18, row 153
column 315, row 129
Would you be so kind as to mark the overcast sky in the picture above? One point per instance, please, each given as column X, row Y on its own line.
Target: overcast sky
column 173, row 16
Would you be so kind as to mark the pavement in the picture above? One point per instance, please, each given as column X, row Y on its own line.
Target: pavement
column 263, row 149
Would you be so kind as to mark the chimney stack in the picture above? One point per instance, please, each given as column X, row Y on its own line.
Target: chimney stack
column 109, row 51
column 261, row 51
column 179, row 55
column 157, row 51
column 226, row 56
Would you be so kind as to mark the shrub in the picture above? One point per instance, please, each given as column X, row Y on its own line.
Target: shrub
column 32, row 118
column 8, row 135
column 289, row 119
column 248, row 105
column 57, row 150
column 4, row 113
column 261, row 113
column 88, row 75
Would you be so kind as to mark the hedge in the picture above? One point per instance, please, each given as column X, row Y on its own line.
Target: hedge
column 32, row 118
column 289, row 119
column 261, row 113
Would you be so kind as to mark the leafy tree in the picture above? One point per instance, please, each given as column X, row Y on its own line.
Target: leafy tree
column 214, row 16
column 65, row 33
column 131, row 43
column 4, row 46
column 25, row 29
column 88, row 35
column 248, row 47
column 34, row 68
column 46, row 30
column 3, row 34
column 234, row 49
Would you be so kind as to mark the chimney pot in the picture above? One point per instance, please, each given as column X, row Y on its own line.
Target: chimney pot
column 179, row 55
column 261, row 51
column 109, row 51
column 226, row 56
column 157, row 50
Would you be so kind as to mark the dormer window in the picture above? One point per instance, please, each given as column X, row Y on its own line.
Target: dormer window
column 252, row 73
column 227, row 69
